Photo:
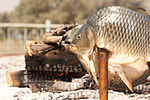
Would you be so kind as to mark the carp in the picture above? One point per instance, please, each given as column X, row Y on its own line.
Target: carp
column 125, row 34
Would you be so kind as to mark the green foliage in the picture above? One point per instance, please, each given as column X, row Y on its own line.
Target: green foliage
column 58, row 11
column 79, row 18
column 4, row 17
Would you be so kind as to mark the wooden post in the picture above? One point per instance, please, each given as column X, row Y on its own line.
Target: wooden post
column 25, row 35
column 41, row 32
column 8, row 39
column 103, row 75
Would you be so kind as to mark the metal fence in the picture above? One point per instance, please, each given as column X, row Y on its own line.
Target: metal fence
column 13, row 36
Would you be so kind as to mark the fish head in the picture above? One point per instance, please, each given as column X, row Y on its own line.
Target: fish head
column 83, row 40
column 83, row 45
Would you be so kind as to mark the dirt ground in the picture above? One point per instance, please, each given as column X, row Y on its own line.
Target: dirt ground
column 13, row 63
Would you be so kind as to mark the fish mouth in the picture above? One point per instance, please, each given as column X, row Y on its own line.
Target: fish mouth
column 84, row 58
column 73, row 48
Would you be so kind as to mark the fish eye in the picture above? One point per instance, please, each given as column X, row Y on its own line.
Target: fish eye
column 79, row 36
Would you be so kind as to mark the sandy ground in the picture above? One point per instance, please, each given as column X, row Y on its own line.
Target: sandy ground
column 13, row 63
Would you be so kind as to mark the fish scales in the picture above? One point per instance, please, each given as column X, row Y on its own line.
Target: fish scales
column 125, row 34
column 127, row 30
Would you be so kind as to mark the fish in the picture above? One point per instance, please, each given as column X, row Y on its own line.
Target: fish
column 125, row 34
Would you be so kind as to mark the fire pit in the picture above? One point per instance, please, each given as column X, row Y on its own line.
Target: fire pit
column 50, row 66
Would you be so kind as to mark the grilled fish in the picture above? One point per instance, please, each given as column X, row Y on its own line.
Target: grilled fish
column 125, row 33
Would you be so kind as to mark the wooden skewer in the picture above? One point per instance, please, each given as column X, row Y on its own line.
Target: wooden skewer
column 103, row 75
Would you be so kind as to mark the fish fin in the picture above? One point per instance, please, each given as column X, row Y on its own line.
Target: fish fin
column 95, row 79
column 124, row 64
column 140, row 9
column 93, row 71
column 127, row 81
column 88, row 63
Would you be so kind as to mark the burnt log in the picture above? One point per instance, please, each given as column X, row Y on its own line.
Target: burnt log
column 52, row 58
column 84, row 82
column 14, row 79
column 56, row 35
column 51, row 53
column 41, row 81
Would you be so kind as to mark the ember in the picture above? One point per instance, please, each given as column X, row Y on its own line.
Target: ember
column 55, row 80
column 60, row 74
column 47, row 76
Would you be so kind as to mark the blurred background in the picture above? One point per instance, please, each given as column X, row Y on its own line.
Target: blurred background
column 22, row 20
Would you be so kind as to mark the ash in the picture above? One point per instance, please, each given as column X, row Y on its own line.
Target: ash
column 13, row 63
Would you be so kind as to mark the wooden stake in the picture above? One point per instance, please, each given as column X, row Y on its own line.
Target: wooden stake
column 103, row 75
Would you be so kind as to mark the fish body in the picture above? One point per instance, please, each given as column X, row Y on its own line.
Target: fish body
column 126, row 35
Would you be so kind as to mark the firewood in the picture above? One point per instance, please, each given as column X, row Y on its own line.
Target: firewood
column 36, row 83
column 48, row 55
column 14, row 79
column 59, row 86
column 28, row 50
column 24, row 78
column 56, row 35
column 53, row 39
column 48, row 42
